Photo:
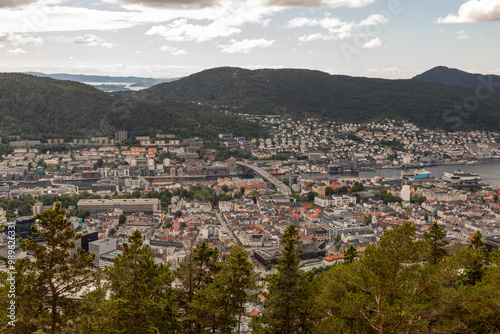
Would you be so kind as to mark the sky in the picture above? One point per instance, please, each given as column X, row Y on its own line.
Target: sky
column 394, row 39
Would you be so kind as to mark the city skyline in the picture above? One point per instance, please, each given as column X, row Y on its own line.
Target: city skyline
column 173, row 38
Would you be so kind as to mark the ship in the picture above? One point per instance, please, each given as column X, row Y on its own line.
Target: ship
column 417, row 174
column 420, row 174
column 460, row 176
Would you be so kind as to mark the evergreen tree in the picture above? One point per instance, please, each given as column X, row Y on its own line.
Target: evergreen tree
column 219, row 305
column 386, row 291
column 475, row 270
column 435, row 239
column 142, row 298
column 350, row 254
column 238, row 277
column 287, row 309
column 195, row 275
column 58, row 270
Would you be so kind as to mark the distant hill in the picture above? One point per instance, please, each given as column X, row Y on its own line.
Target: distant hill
column 453, row 77
column 40, row 108
column 295, row 92
column 105, row 83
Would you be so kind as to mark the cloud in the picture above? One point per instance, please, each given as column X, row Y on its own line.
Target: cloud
column 299, row 3
column 373, row 20
column 173, row 50
column 337, row 29
column 374, row 43
column 88, row 40
column 15, row 3
column 184, row 4
column 246, row 45
column 17, row 51
column 227, row 14
column 16, row 39
column 313, row 37
column 349, row 3
column 462, row 35
column 180, row 31
column 321, row 3
column 474, row 11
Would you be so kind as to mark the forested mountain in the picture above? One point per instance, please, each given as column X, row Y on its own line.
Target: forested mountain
column 295, row 92
column 40, row 108
column 453, row 77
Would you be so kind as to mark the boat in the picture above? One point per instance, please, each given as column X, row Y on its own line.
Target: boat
column 277, row 173
column 460, row 176
column 420, row 174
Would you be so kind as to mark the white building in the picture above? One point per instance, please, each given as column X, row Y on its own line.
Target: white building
column 405, row 193
column 100, row 247
column 321, row 201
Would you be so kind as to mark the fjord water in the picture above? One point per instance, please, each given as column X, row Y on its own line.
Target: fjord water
column 489, row 171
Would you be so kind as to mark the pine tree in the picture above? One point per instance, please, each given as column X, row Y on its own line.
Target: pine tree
column 196, row 275
column 287, row 308
column 142, row 298
column 475, row 270
column 219, row 305
column 350, row 254
column 57, row 271
column 436, row 241
column 386, row 291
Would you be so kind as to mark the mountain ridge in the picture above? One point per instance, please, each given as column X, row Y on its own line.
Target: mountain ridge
column 40, row 108
column 310, row 93
column 455, row 77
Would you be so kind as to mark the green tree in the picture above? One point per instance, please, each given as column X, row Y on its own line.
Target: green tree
column 350, row 254
column 310, row 196
column 57, row 271
column 142, row 299
column 220, row 304
column 475, row 269
column 386, row 291
column 195, row 276
column 435, row 239
column 122, row 218
column 288, row 308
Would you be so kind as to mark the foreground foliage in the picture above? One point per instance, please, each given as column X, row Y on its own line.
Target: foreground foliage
column 403, row 285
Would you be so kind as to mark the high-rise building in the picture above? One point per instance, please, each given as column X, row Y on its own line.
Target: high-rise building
column 405, row 193
column 120, row 135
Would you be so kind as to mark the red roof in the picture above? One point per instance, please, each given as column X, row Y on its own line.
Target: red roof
column 334, row 257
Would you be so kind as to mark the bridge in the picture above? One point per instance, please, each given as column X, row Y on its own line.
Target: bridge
column 268, row 177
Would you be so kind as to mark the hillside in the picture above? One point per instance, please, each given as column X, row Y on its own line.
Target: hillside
column 293, row 92
column 40, row 108
column 453, row 77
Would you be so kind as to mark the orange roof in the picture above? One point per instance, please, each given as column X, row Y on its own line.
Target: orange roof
column 254, row 312
column 334, row 257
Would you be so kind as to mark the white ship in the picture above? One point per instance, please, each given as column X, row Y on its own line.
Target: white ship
column 460, row 176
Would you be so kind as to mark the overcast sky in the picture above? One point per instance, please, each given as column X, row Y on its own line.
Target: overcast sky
column 173, row 38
